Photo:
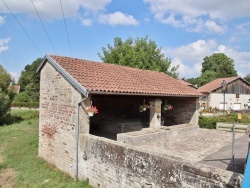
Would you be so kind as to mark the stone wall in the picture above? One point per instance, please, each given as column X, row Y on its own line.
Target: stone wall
column 105, row 163
column 185, row 111
column 58, row 117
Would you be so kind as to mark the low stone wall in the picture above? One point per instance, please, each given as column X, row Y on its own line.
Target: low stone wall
column 148, row 135
column 241, row 128
column 107, row 163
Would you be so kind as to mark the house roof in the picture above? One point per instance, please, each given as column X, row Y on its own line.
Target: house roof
column 215, row 84
column 187, row 83
column 105, row 78
column 16, row 89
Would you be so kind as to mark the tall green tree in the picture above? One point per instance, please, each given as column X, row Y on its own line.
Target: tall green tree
column 140, row 53
column 247, row 77
column 29, row 82
column 219, row 63
column 206, row 77
column 6, row 94
column 29, row 76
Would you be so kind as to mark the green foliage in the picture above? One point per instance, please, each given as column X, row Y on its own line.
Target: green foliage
column 215, row 66
column 25, row 104
column 206, row 77
column 193, row 81
column 220, row 64
column 6, row 94
column 29, row 95
column 19, row 143
column 29, row 82
column 207, row 122
column 5, row 79
column 247, row 77
column 29, row 76
column 139, row 53
column 5, row 103
column 210, row 122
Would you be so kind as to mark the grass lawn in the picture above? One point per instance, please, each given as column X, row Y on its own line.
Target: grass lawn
column 19, row 164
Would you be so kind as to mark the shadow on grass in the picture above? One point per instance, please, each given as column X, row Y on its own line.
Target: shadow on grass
column 10, row 119
column 16, row 116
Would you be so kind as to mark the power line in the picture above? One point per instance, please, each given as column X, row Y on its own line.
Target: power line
column 43, row 27
column 23, row 28
column 66, row 28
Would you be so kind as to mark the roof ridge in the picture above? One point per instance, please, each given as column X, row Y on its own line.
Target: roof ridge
column 107, row 78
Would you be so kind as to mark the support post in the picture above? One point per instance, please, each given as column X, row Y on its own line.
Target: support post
column 233, row 144
column 155, row 113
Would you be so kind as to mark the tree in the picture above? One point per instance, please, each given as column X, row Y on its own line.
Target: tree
column 206, row 77
column 219, row 63
column 6, row 94
column 29, row 82
column 5, row 79
column 139, row 53
column 247, row 77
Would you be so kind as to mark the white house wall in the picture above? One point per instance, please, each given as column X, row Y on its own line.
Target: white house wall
column 214, row 100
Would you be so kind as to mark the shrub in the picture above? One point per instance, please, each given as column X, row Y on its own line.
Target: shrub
column 25, row 104
column 210, row 122
column 207, row 122
column 4, row 106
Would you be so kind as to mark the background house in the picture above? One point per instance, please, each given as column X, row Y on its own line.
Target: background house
column 237, row 94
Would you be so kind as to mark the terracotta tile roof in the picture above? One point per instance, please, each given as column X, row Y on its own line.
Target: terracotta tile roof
column 16, row 89
column 105, row 77
column 215, row 84
column 186, row 83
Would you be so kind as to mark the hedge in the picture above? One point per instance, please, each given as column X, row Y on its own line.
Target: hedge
column 210, row 121
column 25, row 104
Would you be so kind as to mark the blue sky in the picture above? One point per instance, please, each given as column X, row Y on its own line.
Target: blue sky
column 186, row 30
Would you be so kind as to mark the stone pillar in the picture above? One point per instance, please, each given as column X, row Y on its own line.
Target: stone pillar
column 195, row 118
column 155, row 113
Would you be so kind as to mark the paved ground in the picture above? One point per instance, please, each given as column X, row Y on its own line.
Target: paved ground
column 210, row 147
column 223, row 157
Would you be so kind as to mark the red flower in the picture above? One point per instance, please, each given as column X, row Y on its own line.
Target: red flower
column 92, row 109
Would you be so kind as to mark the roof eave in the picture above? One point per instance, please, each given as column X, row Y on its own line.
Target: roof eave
column 67, row 76
column 141, row 94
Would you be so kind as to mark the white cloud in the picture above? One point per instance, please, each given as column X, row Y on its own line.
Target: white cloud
column 214, row 27
column 190, row 57
column 3, row 43
column 185, row 70
column 15, row 75
column 52, row 9
column 202, row 14
column 117, row 18
column 87, row 22
column 2, row 20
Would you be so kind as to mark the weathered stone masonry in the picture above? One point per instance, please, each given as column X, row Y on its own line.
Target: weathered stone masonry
column 58, row 116
column 106, row 163
column 103, row 162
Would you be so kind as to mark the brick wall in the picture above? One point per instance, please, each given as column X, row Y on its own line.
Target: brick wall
column 185, row 111
column 58, row 117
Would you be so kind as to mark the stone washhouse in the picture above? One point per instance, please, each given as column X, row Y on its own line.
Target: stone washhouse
column 101, row 149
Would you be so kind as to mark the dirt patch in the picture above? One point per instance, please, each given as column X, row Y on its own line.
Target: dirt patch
column 7, row 177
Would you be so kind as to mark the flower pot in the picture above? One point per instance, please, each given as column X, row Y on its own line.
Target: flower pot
column 90, row 114
column 144, row 109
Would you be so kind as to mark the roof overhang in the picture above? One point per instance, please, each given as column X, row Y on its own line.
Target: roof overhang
column 141, row 94
column 68, row 77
